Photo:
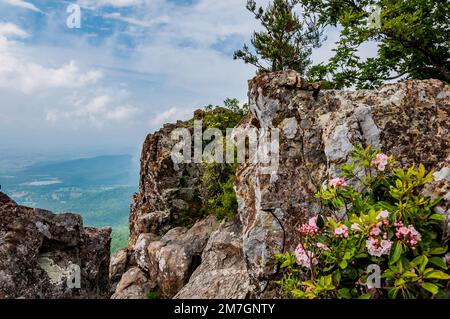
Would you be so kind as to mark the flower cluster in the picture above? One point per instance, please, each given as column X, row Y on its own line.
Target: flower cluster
column 380, row 161
column 337, row 182
column 305, row 258
column 378, row 244
column 341, row 232
column 384, row 215
column 409, row 235
column 325, row 247
column 362, row 222
column 311, row 228
column 377, row 247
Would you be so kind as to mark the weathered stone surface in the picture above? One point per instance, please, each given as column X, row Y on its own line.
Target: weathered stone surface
column 440, row 187
column 140, row 250
column 167, row 192
column 409, row 120
column 166, row 264
column 177, row 255
column 222, row 273
column 133, row 285
column 117, row 267
column 40, row 251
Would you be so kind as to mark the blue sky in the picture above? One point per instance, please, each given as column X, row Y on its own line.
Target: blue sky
column 131, row 67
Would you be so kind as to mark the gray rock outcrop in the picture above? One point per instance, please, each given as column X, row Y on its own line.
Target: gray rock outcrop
column 317, row 130
column 51, row 256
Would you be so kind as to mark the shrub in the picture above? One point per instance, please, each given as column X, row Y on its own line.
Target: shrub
column 219, row 197
column 217, row 192
column 372, row 215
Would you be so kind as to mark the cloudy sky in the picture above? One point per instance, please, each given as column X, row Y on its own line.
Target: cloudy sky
column 132, row 66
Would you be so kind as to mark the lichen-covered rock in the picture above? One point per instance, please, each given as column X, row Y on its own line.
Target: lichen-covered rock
column 175, row 257
column 409, row 120
column 168, row 193
column 46, row 255
column 134, row 284
column 222, row 273
column 440, row 187
column 167, row 263
column 117, row 267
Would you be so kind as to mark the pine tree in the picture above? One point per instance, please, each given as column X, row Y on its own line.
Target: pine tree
column 286, row 40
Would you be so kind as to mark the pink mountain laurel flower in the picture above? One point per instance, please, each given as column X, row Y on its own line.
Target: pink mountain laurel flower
column 341, row 231
column 384, row 214
column 305, row 258
column 375, row 231
column 313, row 221
column 322, row 246
column 409, row 235
column 377, row 247
column 380, row 161
column 355, row 227
column 337, row 182
column 311, row 228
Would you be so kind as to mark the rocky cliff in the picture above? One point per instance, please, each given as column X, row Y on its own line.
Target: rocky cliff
column 51, row 256
column 317, row 130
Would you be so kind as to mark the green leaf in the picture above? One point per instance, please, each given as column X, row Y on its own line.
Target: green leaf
column 365, row 296
column 344, row 293
column 437, row 217
column 396, row 253
column 437, row 274
column 428, row 286
column 409, row 274
column 399, row 282
column 420, row 262
column 438, row 250
column 343, row 264
column 328, row 281
column 439, row 261
column 392, row 293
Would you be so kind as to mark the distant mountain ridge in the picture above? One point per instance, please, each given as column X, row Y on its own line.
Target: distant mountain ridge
column 96, row 171
column 98, row 188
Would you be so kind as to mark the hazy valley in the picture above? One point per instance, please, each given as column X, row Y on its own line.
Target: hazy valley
column 98, row 188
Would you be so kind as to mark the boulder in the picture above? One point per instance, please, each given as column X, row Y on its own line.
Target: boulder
column 134, row 284
column 51, row 256
column 175, row 257
column 222, row 273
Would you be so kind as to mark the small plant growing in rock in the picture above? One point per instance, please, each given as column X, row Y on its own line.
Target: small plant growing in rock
column 154, row 295
column 217, row 192
column 374, row 217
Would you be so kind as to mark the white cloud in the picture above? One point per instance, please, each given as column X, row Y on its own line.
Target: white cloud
column 10, row 29
column 169, row 58
column 112, row 3
column 137, row 22
column 96, row 111
column 23, row 4
column 19, row 72
column 164, row 117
